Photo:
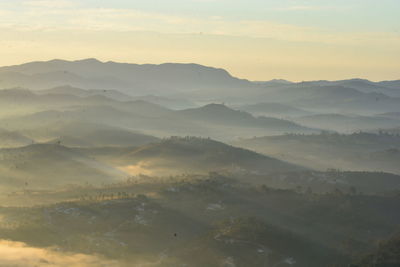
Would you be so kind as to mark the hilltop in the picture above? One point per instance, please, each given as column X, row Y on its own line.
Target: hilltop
column 190, row 154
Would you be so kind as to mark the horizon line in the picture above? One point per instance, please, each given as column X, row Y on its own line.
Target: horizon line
column 94, row 59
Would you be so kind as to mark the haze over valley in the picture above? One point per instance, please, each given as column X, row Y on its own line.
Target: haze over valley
column 199, row 133
column 186, row 165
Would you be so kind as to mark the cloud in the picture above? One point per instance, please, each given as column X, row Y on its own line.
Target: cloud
column 17, row 254
column 307, row 8
column 260, row 46
column 49, row 3
column 55, row 15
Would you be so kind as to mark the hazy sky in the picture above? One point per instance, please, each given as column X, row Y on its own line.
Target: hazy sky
column 255, row 39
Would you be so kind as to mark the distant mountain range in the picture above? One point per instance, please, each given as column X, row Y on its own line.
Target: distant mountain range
column 390, row 88
column 130, row 78
column 278, row 110
column 46, row 110
column 332, row 98
column 192, row 82
column 172, row 103
column 174, row 99
column 348, row 123
column 358, row 151
column 186, row 165
column 219, row 114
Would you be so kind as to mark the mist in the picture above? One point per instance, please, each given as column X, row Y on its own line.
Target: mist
column 199, row 133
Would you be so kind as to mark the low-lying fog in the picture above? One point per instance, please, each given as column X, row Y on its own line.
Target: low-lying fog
column 96, row 173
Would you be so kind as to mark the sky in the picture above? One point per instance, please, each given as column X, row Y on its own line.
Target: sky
column 254, row 39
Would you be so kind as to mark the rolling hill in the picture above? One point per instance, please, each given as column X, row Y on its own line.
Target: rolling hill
column 205, row 220
column 178, row 155
column 69, row 90
column 219, row 114
column 10, row 139
column 347, row 123
column 356, row 152
column 75, row 134
column 276, row 110
column 329, row 98
column 51, row 166
column 390, row 88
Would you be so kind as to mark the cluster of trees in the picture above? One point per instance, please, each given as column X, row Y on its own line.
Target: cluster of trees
column 387, row 254
column 101, row 196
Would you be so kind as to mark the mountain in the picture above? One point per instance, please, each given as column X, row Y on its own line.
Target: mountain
column 174, row 103
column 88, row 166
column 69, row 90
column 355, row 152
column 347, row 123
column 63, row 97
column 104, row 114
column 20, row 101
column 191, row 154
column 55, row 78
column 132, row 79
column 391, row 115
column 353, row 95
column 78, row 134
column 274, row 83
column 390, row 88
column 22, row 96
column 138, row 115
column 168, row 102
column 277, row 110
column 390, row 84
column 209, row 121
column 194, row 83
column 46, row 109
column 220, row 115
column 328, row 98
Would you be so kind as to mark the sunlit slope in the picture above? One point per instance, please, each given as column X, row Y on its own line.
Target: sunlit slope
column 203, row 221
column 177, row 155
column 49, row 166
column 9, row 139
